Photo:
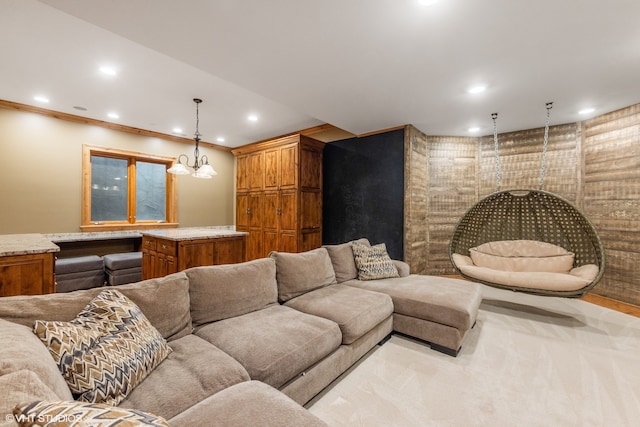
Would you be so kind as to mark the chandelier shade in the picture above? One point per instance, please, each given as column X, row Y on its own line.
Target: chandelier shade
column 201, row 167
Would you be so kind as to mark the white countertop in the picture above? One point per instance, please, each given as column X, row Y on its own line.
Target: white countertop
column 193, row 233
column 25, row 244
column 34, row 243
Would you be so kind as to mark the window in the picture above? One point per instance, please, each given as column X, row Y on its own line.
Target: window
column 123, row 189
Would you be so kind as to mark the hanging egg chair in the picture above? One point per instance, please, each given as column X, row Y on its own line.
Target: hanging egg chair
column 528, row 240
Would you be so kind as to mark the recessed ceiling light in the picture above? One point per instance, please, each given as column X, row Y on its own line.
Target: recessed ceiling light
column 109, row 71
column 474, row 129
column 477, row 88
column 252, row 118
column 179, row 131
column 41, row 98
column 113, row 115
column 587, row 111
column 427, row 2
column 220, row 139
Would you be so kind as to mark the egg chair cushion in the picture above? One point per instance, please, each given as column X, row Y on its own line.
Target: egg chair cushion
column 522, row 255
column 576, row 279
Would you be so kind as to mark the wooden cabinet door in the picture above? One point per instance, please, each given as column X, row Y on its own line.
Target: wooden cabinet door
column 195, row 253
column 288, row 242
column 310, row 210
column 310, row 169
column 270, row 211
column 242, row 210
column 255, row 209
column 149, row 264
column 229, row 251
column 256, row 171
column 254, row 244
column 242, row 173
column 26, row 275
column 289, row 167
column 270, row 241
column 288, row 211
column 272, row 169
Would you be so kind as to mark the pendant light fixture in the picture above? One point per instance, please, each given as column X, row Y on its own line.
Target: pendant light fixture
column 201, row 167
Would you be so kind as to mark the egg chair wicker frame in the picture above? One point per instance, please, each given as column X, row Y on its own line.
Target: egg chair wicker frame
column 527, row 214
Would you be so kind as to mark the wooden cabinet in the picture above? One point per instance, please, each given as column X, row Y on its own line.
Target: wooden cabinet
column 27, row 274
column 165, row 256
column 282, row 210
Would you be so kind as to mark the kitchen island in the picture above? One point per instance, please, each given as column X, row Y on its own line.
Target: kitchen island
column 171, row 250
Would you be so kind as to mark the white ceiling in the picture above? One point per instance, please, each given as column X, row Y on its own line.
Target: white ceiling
column 361, row 65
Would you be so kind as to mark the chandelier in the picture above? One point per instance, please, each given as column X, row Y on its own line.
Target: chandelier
column 201, row 167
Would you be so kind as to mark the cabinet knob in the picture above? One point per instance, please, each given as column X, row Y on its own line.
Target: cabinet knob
column 164, row 246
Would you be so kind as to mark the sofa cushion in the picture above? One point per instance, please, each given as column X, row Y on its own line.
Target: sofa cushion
column 21, row 386
column 249, row 403
column 62, row 413
column 276, row 343
column 107, row 350
column 343, row 261
column 373, row 262
column 356, row 311
column 522, row 255
column 155, row 297
column 222, row 291
column 20, row 349
column 441, row 300
column 302, row 272
column 194, row 370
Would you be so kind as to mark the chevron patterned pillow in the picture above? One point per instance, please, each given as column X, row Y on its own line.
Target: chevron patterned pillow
column 373, row 262
column 108, row 349
column 82, row 414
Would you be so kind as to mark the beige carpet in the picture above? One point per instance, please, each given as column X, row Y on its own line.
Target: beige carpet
column 530, row 361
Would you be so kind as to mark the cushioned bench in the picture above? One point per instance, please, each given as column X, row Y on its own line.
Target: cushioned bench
column 123, row 268
column 77, row 273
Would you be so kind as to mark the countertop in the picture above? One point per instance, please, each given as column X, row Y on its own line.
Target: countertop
column 193, row 233
column 25, row 244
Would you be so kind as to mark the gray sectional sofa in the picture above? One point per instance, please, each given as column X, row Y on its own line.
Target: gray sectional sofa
column 250, row 342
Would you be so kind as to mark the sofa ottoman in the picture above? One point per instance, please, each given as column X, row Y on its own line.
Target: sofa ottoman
column 434, row 309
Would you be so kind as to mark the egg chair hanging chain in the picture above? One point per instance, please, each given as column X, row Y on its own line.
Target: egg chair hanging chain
column 543, row 165
column 494, row 116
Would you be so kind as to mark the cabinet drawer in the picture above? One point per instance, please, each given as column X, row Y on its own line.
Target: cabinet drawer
column 149, row 243
column 166, row 247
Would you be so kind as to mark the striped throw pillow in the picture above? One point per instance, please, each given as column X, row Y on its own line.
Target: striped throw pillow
column 373, row 262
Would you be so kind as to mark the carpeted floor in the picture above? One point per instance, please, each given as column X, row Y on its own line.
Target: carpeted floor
column 530, row 361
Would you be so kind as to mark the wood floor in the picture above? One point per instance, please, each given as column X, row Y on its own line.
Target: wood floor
column 613, row 304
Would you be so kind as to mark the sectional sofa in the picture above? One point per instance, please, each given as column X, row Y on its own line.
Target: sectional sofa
column 240, row 344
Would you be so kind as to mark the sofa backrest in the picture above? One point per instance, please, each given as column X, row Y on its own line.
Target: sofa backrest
column 164, row 301
column 223, row 291
column 343, row 261
column 299, row 273
column 21, row 355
